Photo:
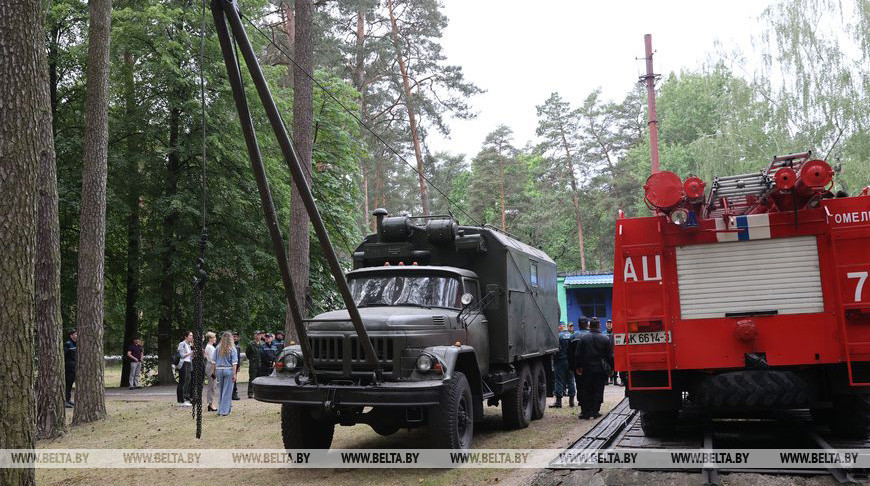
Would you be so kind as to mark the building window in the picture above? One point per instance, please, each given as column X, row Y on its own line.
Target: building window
column 592, row 304
column 534, row 274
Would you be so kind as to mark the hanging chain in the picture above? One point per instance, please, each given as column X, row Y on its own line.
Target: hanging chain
column 201, row 274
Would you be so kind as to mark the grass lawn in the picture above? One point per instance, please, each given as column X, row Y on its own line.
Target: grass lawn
column 161, row 424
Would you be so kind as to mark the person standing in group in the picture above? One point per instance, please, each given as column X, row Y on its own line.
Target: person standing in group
column 592, row 364
column 574, row 352
column 184, row 366
column 226, row 359
column 252, row 353
column 211, row 388
column 563, row 378
column 278, row 342
column 236, row 345
column 70, row 355
column 609, row 326
column 134, row 354
column 267, row 357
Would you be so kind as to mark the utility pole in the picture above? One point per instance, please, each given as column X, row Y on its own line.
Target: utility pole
column 650, row 80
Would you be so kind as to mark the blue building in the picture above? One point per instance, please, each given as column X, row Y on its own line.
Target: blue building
column 585, row 296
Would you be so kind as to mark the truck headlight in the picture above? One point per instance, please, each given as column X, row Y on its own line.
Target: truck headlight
column 679, row 216
column 291, row 361
column 424, row 362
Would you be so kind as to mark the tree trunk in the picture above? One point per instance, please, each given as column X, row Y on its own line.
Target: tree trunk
column 575, row 199
column 165, row 347
column 501, row 194
column 303, row 135
column 359, row 81
column 50, row 411
column 90, row 397
column 22, row 111
column 412, row 119
column 131, row 312
column 289, row 18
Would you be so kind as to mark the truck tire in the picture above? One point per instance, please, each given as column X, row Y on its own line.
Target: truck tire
column 852, row 416
column 539, row 380
column 660, row 423
column 300, row 430
column 753, row 389
column 517, row 404
column 385, row 429
column 451, row 424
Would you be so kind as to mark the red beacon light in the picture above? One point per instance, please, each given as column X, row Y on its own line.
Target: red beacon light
column 694, row 188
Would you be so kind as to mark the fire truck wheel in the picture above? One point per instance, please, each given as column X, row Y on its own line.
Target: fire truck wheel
column 451, row 423
column 539, row 377
column 517, row 404
column 658, row 423
column 753, row 389
column 302, row 431
column 852, row 416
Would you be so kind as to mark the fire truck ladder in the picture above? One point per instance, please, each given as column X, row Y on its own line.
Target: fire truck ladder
column 736, row 194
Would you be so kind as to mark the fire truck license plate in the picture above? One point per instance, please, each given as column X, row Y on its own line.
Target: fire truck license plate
column 643, row 338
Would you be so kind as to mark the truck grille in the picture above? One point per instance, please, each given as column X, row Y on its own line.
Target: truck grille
column 332, row 350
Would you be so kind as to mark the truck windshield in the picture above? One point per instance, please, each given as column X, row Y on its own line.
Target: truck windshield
column 417, row 290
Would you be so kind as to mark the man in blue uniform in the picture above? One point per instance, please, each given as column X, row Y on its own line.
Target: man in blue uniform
column 564, row 378
column 267, row 356
column 70, row 355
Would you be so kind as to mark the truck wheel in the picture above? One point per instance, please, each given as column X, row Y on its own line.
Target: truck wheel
column 300, row 430
column 451, row 423
column 852, row 417
column 658, row 423
column 517, row 404
column 539, row 378
column 754, row 389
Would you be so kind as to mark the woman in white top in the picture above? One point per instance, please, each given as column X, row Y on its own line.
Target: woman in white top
column 183, row 366
column 211, row 387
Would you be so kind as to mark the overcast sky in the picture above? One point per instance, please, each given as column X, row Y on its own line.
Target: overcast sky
column 521, row 51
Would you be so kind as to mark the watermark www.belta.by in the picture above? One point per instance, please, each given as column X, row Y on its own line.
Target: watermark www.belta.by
column 435, row 458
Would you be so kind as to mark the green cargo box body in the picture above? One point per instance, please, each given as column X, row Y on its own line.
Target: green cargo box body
column 523, row 318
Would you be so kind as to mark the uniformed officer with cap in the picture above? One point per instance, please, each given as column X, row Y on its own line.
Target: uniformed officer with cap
column 564, row 378
column 268, row 353
column 592, row 362
column 252, row 353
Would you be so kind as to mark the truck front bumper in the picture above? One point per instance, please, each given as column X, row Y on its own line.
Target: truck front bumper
column 273, row 389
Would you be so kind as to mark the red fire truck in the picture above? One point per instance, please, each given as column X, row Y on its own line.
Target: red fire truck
column 751, row 294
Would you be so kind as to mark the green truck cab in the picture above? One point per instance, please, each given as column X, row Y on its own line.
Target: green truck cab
column 460, row 317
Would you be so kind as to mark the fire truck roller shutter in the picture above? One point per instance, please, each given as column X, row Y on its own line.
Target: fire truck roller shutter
column 780, row 274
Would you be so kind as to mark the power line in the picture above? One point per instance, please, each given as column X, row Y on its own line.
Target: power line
column 358, row 119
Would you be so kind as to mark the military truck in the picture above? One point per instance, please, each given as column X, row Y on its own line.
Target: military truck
column 457, row 316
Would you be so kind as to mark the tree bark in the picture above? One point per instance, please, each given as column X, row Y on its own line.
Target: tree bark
column 131, row 312
column 289, row 18
column 409, row 106
column 165, row 344
column 575, row 198
column 303, row 135
column 50, row 411
column 90, row 397
column 501, row 193
column 359, row 82
column 22, row 111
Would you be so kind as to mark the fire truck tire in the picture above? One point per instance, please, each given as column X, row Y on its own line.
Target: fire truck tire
column 753, row 389
column 451, row 423
column 517, row 404
column 300, row 430
column 659, row 423
column 539, row 377
column 852, row 416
